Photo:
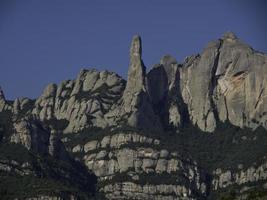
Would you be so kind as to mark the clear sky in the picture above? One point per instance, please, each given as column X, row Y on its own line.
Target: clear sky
column 43, row 41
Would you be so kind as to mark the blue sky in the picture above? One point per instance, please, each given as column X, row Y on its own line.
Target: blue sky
column 43, row 41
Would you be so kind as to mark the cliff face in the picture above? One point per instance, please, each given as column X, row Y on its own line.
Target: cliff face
column 188, row 130
column 226, row 83
column 142, row 168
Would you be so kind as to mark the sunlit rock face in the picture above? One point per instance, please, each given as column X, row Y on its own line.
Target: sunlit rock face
column 225, row 83
column 197, row 80
column 241, row 73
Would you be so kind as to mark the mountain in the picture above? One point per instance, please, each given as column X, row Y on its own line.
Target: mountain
column 191, row 130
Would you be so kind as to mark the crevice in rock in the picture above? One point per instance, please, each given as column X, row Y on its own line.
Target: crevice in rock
column 214, row 82
column 226, row 108
column 259, row 98
column 239, row 74
column 182, row 107
column 208, row 182
column 53, row 114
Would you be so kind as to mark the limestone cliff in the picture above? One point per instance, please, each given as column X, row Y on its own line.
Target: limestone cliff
column 226, row 83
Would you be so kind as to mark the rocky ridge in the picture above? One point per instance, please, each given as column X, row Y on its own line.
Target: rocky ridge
column 224, row 83
column 148, row 137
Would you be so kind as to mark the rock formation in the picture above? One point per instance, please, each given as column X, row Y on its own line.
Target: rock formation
column 164, row 90
column 190, row 130
column 135, row 163
column 233, row 87
column 83, row 102
column 136, row 109
column 240, row 91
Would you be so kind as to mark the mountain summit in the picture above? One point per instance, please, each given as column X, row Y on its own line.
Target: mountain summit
column 189, row 130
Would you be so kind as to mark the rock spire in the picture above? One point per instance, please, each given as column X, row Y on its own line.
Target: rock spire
column 136, row 104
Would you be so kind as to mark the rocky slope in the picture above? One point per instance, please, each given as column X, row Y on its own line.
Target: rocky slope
column 191, row 130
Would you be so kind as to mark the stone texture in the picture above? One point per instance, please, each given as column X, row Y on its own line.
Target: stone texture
column 164, row 90
column 83, row 102
column 122, row 155
column 22, row 134
column 92, row 145
column 225, row 178
column 130, row 190
column 241, row 95
column 22, row 105
column 225, row 83
column 136, row 109
column 197, row 80
column 32, row 135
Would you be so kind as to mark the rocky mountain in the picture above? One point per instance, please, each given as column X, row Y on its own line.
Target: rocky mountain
column 190, row 130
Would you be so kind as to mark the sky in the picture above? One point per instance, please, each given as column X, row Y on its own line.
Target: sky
column 44, row 41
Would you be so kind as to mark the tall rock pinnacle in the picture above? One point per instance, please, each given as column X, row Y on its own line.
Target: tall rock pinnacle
column 136, row 104
column 136, row 72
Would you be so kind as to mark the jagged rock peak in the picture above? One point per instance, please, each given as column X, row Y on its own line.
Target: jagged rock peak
column 2, row 95
column 169, row 63
column 50, row 90
column 229, row 36
column 136, row 46
column 136, row 104
column 168, row 60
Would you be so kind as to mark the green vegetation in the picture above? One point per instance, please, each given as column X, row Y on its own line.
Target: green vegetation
column 5, row 125
column 56, row 124
column 226, row 147
column 163, row 178
column 49, row 176
column 15, row 186
column 257, row 194
column 15, row 152
column 253, row 192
